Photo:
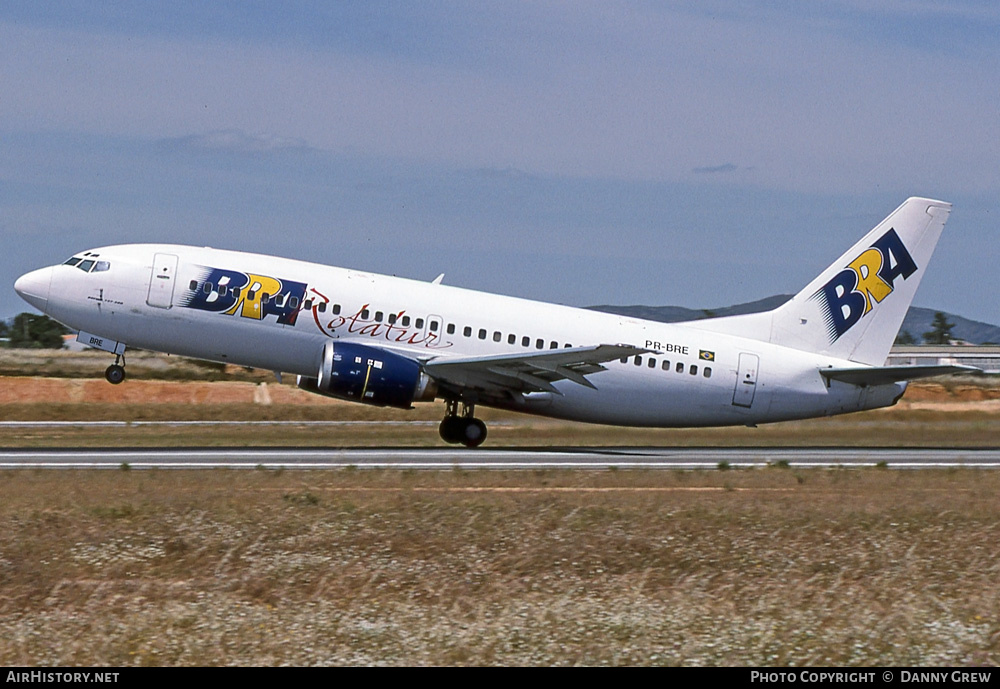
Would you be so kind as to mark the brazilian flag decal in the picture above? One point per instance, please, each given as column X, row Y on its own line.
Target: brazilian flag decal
column 706, row 355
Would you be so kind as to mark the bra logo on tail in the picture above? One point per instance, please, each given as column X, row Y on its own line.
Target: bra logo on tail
column 865, row 282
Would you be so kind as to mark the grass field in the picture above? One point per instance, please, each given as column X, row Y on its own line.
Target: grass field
column 763, row 567
column 947, row 413
column 758, row 567
column 908, row 429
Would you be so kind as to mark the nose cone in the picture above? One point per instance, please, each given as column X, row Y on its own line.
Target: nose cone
column 33, row 287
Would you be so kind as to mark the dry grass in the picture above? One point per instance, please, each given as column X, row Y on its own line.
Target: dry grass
column 90, row 364
column 763, row 567
column 418, row 428
column 773, row 567
column 962, row 413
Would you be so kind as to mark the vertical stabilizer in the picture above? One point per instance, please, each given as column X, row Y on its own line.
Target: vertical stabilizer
column 855, row 308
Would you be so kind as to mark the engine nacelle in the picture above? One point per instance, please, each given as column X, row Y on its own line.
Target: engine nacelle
column 369, row 375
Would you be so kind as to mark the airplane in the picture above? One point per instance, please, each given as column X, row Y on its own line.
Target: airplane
column 390, row 341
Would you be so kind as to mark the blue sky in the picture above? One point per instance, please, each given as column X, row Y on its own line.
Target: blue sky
column 690, row 153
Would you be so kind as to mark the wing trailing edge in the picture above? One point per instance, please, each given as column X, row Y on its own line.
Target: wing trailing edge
column 519, row 373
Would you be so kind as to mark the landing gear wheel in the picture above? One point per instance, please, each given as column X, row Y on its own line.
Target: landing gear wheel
column 115, row 374
column 464, row 428
column 473, row 432
column 451, row 429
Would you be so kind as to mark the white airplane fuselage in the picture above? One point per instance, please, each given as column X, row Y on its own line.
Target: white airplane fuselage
column 168, row 298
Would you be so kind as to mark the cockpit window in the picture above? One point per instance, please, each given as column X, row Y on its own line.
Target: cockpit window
column 91, row 265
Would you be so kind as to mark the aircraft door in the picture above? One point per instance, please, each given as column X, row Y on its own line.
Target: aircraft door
column 161, row 281
column 746, row 380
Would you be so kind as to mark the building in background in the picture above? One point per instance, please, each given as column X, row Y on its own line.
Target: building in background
column 984, row 357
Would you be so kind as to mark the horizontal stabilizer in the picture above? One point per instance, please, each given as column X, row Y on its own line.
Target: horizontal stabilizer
column 883, row 375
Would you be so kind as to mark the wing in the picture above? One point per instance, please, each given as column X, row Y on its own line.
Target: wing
column 506, row 375
column 881, row 375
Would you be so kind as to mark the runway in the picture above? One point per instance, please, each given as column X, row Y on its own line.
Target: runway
column 592, row 458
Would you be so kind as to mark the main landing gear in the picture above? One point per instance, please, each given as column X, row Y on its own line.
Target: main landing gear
column 464, row 429
column 115, row 373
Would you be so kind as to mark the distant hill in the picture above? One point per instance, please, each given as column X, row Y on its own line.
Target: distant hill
column 917, row 322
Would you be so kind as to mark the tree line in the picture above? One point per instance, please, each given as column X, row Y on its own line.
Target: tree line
column 33, row 331
column 939, row 334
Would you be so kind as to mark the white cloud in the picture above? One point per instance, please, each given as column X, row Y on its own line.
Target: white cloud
column 236, row 141
column 592, row 91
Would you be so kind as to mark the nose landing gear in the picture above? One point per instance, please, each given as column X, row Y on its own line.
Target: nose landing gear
column 464, row 429
column 115, row 373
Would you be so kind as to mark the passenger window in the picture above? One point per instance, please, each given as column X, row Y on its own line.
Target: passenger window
column 496, row 335
column 322, row 307
column 451, row 328
column 208, row 288
column 336, row 309
column 482, row 333
column 307, row 304
column 652, row 362
column 567, row 346
column 264, row 297
column 406, row 321
column 250, row 294
column 680, row 367
column 512, row 338
column 539, row 343
column 553, row 345
column 364, row 314
column 419, row 324
column 467, row 331
column 693, row 370
column 707, row 372
column 666, row 365
column 293, row 303
column 222, row 290
column 392, row 318
column 624, row 359
column 236, row 292
column 434, row 326
column 193, row 286
column 378, row 316
column 525, row 341
column 638, row 361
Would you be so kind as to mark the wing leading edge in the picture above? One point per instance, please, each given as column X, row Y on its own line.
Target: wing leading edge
column 513, row 374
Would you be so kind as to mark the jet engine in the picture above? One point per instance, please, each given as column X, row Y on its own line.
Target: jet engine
column 369, row 375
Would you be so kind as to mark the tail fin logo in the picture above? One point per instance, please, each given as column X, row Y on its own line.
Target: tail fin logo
column 864, row 283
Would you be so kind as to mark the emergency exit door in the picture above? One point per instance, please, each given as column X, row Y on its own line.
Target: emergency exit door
column 746, row 380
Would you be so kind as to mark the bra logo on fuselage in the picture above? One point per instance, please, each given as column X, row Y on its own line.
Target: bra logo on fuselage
column 234, row 292
column 865, row 282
